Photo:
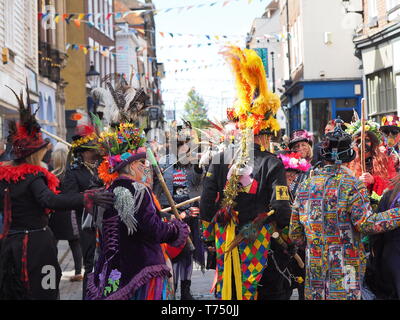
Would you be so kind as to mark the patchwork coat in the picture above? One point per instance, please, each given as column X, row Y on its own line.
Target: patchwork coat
column 330, row 212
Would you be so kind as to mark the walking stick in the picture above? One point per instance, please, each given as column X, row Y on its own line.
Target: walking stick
column 182, row 204
column 362, row 151
column 160, row 177
column 56, row 137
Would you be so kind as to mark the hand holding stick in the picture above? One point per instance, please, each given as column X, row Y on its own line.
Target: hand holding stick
column 282, row 243
column 164, row 186
column 182, row 204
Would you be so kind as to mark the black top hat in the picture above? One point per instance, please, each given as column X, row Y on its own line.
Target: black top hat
column 336, row 146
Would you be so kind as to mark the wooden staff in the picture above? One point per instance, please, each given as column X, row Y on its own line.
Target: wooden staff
column 164, row 186
column 182, row 204
column 282, row 243
column 362, row 151
column 56, row 137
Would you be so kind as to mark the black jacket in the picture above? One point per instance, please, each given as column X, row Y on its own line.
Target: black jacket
column 383, row 273
column 268, row 171
column 79, row 179
column 29, row 198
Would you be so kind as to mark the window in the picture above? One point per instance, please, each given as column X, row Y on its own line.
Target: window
column 372, row 13
column 101, row 10
column 296, row 44
column 9, row 23
column 95, row 12
column 391, row 4
column 111, row 21
column 381, row 90
column 90, row 10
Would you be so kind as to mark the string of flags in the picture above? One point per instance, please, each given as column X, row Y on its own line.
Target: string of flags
column 118, row 15
column 85, row 47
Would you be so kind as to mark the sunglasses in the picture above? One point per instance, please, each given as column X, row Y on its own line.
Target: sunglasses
column 143, row 162
column 392, row 132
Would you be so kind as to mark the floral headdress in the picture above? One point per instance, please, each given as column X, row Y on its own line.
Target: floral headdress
column 390, row 121
column 84, row 138
column 293, row 161
column 256, row 106
column 354, row 128
column 121, row 146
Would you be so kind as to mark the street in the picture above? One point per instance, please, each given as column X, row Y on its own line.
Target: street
column 201, row 283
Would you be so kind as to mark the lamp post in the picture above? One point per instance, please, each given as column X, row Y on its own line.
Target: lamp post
column 93, row 78
column 273, row 71
column 346, row 5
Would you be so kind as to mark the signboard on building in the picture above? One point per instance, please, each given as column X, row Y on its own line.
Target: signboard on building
column 263, row 53
column 170, row 114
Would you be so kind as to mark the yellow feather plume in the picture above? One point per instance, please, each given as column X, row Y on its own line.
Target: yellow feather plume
column 255, row 106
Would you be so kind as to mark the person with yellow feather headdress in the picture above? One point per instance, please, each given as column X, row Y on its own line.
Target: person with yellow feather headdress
column 240, row 193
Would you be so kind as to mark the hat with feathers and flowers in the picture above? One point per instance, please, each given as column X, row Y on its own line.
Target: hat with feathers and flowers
column 120, row 139
column 121, row 145
column 84, row 139
column 255, row 107
column 371, row 128
column 25, row 135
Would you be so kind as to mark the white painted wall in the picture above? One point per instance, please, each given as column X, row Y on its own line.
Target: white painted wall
column 126, row 43
column 337, row 59
column 396, row 69
column 265, row 26
column 13, row 74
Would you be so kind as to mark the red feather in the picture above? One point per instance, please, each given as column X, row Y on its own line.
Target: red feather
column 84, row 130
column 216, row 126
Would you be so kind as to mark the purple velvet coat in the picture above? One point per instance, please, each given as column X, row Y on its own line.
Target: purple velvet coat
column 129, row 261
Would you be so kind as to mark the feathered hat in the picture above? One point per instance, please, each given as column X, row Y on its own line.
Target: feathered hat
column 300, row 135
column 255, row 107
column 122, row 103
column 371, row 129
column 122, row 145
column 25, row 135
column 85, row 138
column 390, row 122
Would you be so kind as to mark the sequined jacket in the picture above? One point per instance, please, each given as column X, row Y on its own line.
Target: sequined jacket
column 330, row 212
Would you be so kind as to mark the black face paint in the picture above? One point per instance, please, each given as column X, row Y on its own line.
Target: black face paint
column 368, row 145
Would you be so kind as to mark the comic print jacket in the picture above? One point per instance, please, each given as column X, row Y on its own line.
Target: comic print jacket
column 330, row 212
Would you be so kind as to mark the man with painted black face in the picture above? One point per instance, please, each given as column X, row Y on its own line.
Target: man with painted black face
column 390, row 127
column 183, row 176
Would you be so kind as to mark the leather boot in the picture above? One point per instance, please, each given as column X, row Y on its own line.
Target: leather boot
column 185, row 290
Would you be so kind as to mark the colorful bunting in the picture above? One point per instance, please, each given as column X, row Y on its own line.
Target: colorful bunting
column 118, row 15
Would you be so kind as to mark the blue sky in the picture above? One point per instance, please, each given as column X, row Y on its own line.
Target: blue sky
column 214, row 83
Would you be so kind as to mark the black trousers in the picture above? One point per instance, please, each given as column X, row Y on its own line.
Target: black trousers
column 88, row 245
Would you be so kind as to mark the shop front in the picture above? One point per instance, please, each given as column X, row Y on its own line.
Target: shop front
column 311, row 104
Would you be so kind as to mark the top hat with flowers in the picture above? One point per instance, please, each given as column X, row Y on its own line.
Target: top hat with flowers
column 122, row 145
column 300, row 135
column 391, row 122
column 25, row 135
column 255, row 107
column 84, row 139
column 371, row 130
